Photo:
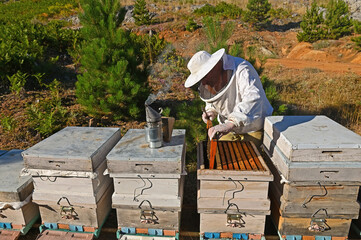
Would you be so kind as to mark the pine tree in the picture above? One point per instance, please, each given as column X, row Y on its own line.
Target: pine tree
column 141, row 13
column 337, row 19
column 258, row 12
column 111, row 83
column 312, row 25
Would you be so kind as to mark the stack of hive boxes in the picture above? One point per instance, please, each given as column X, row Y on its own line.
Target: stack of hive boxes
column 233, row 198
column 316, row 164
column 17, row 211
column 148, row 184
column 67, row 168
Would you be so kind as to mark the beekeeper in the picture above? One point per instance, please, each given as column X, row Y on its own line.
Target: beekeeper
column 232, row 90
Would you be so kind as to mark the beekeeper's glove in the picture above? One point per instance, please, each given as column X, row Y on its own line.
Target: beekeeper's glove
column 208, row 115
column 221, row 129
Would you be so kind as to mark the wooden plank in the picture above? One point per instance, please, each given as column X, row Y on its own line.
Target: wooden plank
column 90, row 215
column 131, row 218
column 316, row 171
column 340, row 210
column 228, row 155
column 313, row 138
column 13, row 188
column 218, row 158
column 249, row 156
column 218, row 223
column 122, row 201
column 142, row 237
column 251, row 190
column 61, row 235
column 233, row 156
column 22, row 216
column 254, row 155
column 72, row 148
column 9, row 235
column 238, row 155
column 223, row 157
column 132, row 154
column 244, row 157
column 214, row 204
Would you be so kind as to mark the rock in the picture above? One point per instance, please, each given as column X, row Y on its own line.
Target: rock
column 129, row 15
column 266, row 52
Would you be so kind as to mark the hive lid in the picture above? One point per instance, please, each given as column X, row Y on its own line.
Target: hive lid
column 291, row 133
column 90, row 144
column 12, row 184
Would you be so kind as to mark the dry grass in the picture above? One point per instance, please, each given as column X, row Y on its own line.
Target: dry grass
column 315, row 92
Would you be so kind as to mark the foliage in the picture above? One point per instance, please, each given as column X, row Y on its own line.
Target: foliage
column 26, row 10
column 191, row 25
column 337, row 19
column 356, row 26
column 216, row 35
column 258, row 12
column 112, row 82
column 222, row 9
column 25, row 47
column 8, row 123
column 357, row 41
column 141, row 13
column 273, row 96
column 280, row 13
column 151, row 45
column 335, row 24
column 47, row 115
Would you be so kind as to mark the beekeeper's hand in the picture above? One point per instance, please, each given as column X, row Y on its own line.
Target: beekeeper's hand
column 208, row 116
column 220, row 129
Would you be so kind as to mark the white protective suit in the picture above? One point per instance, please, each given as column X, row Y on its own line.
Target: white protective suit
column 243, row 100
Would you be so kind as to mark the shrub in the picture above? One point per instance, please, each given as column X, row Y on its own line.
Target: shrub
column 191, row 25
column 273, row 96
column 357, row 41
column 17, row 82
column 356, row 26
column 151, row 45
column 8, row 123
column 335, row 24
column 280, row 13
column 141, row 13
column 112, row 82
column 222, row 9
column 258, row 12
column 47, row 115
column 216, row 35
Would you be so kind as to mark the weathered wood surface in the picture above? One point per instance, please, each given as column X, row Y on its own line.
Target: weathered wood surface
column 9, row 235
column 133, row 155
column 22, row 216
column 142, row 237
column 335, row 209
column 68, row 185
column 244, row 205
column 124, row 202
column 313, row 138
column 299, row 226
column 215, row 174
column 165, row 219
column 316, row 171
column 75, row 197
column 89, row 215
column 253, row 224
column 72, row 148
column 161, row 187
column 60, row 235
column 13, row 188
column 226, row 189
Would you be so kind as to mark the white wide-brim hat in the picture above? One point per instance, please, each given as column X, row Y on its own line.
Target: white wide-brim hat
column 200, row 64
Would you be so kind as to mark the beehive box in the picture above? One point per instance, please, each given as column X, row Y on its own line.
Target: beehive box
column 15, row 188
column 233, row 197
column 317, row 145
column 61, row 183
column 73, row 210
column 72, row 148
column 133, row 155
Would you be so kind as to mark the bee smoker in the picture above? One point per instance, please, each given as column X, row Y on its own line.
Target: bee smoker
column 153, row 130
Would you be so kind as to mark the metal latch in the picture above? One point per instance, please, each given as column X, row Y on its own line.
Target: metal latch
column 318, row 224
column 147, row 216
column 235, row 220
column 67, row 212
